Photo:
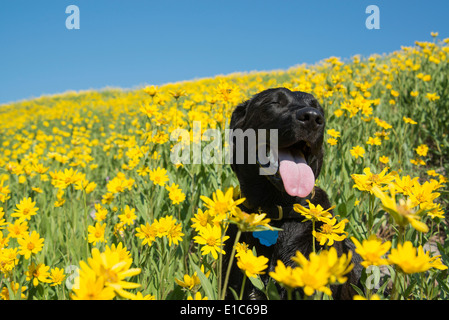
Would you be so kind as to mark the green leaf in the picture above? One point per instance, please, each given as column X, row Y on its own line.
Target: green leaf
column 350, row 204
column 444, row 256
column 410, row 286
column 271, row 291
column 234, row 294
column 443, row 284
column 257, row 282
column 341, row 210
column 176, row 294
column 357, row 289
column 205, row 283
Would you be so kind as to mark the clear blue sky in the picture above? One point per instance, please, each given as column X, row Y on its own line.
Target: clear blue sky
column 132, row 43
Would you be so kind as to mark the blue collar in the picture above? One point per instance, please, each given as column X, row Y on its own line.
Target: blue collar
column 266, row 237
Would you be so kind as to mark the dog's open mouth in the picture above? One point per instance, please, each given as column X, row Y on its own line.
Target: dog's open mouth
column 293, row 169
column 296, row 174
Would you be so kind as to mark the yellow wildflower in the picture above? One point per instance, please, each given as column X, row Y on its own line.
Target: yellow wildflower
column 432, row 96
column 110, row 266
column 332, row 141
column 4, row 293
column 159, row 176
column 408, row 120
column 402, row 212
column 286, row 275
column 175, row 194
column 384, row 159
column 372, row 251
column 313, row 274
column 25, row 209
column 147, row 233
column 189, row 282
column 37, row 273
column 422, row 150
column 314, row 213
column 368, row 180
column 251, row 264
column 91, row 287
column 250, row 222
column 414, row 260
column 357, row 151
column 30, row 244
column 96, row 233
column 374, row 141
column 211, row 240
column 56, row 276
column 128, row 216
column 222, row 204
column 331, row 231
column 333, row 133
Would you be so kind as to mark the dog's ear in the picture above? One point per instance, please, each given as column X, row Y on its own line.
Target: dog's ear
column 238, row 115
column 237, row 121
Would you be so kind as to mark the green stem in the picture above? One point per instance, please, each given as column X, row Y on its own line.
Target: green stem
column 313, row 237
column 228, row 270
column 166, row 269
column 243, row 286
column 289, row 293
column 422, row 285
column 394, row 293
column 401, row 234
column 370, row 214
column 85, row 224
column 161, row 251
column 150, row 203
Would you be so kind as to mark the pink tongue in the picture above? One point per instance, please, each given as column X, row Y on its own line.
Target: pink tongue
column 297, row 176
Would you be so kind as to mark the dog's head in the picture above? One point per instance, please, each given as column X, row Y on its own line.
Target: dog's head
column 299, row 120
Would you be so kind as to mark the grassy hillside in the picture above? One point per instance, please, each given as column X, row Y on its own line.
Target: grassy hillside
column 96, row 166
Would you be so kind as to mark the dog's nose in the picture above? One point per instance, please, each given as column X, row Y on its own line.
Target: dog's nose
column 310, row 117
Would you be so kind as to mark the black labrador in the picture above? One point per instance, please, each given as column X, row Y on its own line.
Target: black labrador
column 299, row 120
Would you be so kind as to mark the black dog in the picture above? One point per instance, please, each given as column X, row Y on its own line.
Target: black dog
column 300, row 121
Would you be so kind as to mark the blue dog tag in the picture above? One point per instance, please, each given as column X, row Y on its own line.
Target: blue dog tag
column 267, row 237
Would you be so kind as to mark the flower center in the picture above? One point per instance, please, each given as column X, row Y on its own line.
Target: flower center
column 111, row 276
column 404, row 208
column 374, row 178
column 211, row 241
column 221, row 208
column 326, row 228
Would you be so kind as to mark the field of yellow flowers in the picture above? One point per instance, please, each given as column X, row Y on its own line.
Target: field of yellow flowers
column 93, row 207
